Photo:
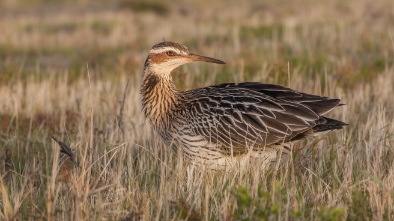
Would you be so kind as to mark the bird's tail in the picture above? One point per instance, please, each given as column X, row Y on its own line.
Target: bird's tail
column 329, row 125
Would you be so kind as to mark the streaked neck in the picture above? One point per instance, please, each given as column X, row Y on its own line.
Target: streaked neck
column 159, row 97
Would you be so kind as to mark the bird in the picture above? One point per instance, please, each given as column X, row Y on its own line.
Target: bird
column 212, row 125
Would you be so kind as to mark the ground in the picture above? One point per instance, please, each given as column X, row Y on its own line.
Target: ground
column 64, row 71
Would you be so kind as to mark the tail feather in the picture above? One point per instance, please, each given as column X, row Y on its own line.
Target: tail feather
column 324, row 125
column 329, row 125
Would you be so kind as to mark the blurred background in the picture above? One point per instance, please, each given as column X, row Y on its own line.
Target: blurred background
column 351, row 40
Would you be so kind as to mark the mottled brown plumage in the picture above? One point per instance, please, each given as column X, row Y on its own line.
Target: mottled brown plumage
column 214, row 123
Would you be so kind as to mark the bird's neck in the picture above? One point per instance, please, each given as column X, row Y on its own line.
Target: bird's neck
column 159, row 97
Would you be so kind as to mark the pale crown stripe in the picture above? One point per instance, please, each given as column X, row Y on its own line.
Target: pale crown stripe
column 165, row 49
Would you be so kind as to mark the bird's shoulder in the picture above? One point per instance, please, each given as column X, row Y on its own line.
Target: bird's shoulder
column 229, row 97
column 265, row 96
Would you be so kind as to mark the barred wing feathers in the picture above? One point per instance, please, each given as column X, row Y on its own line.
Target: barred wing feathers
column 255, row 115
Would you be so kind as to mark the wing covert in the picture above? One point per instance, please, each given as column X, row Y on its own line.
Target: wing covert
column 239, row 117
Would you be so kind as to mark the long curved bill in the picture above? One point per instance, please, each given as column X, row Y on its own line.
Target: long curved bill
column 195, row 57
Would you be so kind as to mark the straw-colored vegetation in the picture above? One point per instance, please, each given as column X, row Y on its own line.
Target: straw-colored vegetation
column 64, row 68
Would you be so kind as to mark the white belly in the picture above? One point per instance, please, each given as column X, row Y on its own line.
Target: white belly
column 202, row 152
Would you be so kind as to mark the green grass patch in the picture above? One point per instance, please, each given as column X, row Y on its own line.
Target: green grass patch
column 261, row 32
column 156, row 7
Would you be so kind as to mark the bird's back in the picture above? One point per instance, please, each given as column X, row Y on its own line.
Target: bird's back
column 233, row 118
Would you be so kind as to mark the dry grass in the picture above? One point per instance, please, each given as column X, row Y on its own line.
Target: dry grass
column 64, row 70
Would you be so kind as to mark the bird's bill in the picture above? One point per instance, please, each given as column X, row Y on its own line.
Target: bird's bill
column 195, row 57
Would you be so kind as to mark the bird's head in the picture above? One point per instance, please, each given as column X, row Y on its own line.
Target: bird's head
column 166, row 56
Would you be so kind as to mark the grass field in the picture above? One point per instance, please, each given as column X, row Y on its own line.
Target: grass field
column 64, row 69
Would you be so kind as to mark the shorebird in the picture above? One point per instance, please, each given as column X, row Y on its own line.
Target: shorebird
column 216, row 123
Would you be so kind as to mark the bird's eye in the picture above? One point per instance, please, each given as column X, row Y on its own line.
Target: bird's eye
column 170, row 53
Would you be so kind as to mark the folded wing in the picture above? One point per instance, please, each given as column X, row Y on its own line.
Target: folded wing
column 239, row 116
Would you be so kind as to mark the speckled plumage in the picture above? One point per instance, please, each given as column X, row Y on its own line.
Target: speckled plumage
column 214, row 123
